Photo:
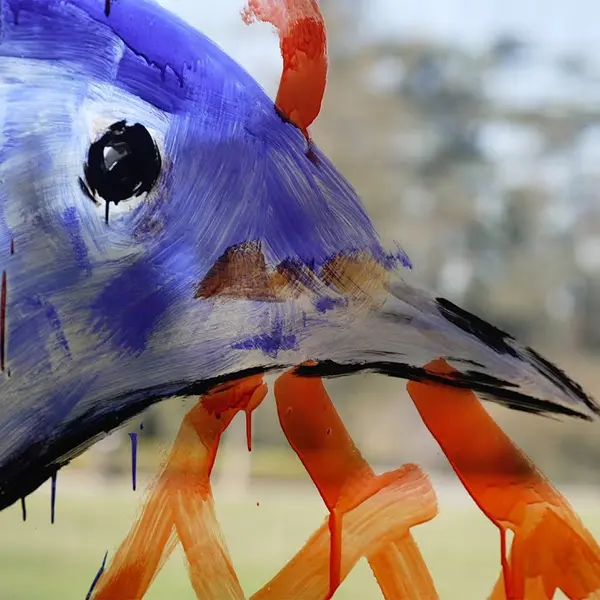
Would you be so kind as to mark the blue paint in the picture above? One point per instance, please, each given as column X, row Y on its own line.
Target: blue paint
column 80, row 251
column 130, row 307
column 97, row 577
column 57, row 328
column 53, row 497
column 133, row 438
column 325, row 304
column 270, row 343
column 236, row 172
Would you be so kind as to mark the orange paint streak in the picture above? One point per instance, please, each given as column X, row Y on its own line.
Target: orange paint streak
column 370, row 530
column 303, row 45
column 181, row 502
column 551, row 548
column 345, row 480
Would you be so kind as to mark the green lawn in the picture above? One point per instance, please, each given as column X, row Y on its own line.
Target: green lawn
column 39, row 560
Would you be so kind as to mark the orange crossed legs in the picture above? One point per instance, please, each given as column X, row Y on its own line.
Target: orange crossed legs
column 371, row 514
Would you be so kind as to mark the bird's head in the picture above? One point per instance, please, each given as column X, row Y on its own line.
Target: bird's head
column 163, row 229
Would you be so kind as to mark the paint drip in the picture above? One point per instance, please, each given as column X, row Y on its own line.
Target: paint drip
column 97, row 577
column 53, row 497
column 133, row 438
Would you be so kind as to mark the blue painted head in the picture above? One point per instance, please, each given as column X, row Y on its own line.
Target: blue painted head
column 163, row 229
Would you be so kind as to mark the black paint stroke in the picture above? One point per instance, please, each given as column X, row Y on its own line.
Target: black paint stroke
column 485, row 332
column 492, row 388
column 29, row 467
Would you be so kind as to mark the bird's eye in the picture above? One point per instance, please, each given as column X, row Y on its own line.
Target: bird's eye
column 122, row 164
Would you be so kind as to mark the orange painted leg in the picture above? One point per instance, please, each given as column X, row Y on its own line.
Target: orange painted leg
column 181, row 501
column 551, row 549
column 304, row 50
column 369, row 529
column 345, row 480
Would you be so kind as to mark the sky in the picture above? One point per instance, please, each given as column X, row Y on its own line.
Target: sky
column 555, row 27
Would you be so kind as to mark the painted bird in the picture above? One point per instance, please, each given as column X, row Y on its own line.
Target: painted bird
column 164, row 227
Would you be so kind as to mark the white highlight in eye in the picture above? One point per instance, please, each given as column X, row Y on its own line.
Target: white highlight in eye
column 106, row 105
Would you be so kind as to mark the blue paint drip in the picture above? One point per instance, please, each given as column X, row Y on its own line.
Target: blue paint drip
column 133, row 438
column 53, row 497
column 142, row 426
column 97, row 577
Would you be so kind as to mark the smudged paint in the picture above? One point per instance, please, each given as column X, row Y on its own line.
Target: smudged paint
column 269, row 343
column 97, row 577
column 133, row 438
column 325, row 304
column 53, row 496
column 57, row 328
column 73, row 226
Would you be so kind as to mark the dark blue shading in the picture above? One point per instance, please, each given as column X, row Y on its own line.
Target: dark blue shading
column 160, row 87
column 325, row 304
column 130, row 306
column 270, row 343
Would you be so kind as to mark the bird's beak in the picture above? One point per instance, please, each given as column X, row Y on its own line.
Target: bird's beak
column 408, row 328
column 348, row 317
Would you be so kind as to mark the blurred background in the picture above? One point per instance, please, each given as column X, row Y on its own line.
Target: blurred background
column 472, row 132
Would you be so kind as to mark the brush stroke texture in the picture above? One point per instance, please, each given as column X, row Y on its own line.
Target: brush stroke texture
column 102, row 320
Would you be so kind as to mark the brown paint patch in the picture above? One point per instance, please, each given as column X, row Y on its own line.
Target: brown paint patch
column 358, row 277
column 242, row 273
column 292, row 279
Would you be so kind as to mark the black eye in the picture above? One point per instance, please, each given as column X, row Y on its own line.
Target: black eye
column 123, row 163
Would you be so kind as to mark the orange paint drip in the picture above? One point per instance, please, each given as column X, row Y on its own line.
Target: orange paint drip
column 249, row 430
column 551, row 548
column 345, row 481
column 303, row 45
column 181, row 502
